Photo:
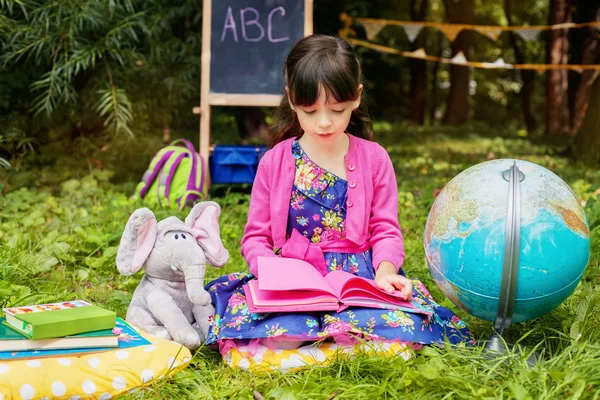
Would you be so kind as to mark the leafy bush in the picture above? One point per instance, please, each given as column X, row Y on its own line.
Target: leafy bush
column 108, row 61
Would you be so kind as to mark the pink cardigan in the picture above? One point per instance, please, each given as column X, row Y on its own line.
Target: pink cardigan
column 372, row 203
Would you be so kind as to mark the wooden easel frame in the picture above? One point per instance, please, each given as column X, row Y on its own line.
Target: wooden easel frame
column 208, row 99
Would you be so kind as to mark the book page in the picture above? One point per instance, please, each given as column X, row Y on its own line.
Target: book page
column 281, row 274
column 337, row 280
column 359, row 294
column 270, row 300
column 348, row 286
column 403, row 306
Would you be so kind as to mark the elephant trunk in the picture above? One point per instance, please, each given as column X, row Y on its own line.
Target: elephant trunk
column 194, row 283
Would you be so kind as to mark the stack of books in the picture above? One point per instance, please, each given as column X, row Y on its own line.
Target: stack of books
column 66, row 328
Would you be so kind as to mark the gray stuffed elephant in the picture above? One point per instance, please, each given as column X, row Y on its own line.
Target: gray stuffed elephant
column 170, row 300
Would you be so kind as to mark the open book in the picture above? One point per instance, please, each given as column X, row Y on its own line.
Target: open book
column 288, row 284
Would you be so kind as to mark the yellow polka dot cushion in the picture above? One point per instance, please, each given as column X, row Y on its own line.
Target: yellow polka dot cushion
column 99, row 375
column 262, row 358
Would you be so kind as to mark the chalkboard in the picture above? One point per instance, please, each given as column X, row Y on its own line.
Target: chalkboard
column 250, row 40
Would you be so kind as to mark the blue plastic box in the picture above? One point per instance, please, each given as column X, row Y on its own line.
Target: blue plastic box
column 235, row 164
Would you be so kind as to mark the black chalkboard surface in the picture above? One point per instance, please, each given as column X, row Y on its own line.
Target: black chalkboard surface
column 250, row 40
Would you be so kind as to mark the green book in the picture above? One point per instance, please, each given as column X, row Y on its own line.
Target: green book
column 11, row 340
column 45, row 321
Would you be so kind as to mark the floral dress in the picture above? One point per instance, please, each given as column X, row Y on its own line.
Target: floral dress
column 318, row 212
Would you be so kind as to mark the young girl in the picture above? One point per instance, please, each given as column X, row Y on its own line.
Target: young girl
column 327, row 193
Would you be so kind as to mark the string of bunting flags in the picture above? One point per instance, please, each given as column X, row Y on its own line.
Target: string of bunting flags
column 460, row 59
column 412, row 29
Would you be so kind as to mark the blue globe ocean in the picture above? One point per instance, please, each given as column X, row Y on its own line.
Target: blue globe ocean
column 465, row 234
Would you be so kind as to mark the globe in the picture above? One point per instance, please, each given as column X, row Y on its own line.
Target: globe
column 465, row 238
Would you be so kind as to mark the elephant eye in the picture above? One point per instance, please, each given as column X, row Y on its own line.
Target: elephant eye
column 183, row 236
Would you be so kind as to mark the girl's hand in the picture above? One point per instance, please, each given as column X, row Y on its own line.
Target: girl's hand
column 387, row 278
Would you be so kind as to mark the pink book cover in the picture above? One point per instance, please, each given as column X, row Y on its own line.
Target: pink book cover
column 288, row 284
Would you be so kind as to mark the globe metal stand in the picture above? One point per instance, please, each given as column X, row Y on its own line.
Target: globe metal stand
column 496, row 345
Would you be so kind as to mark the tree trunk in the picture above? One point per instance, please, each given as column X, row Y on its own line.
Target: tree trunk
column 418, row 68
column 457, row 108
column 326, row 15
column 557, row 105
column 251, row 123
column 586, row 146
column 527, row 76
column 588, row 44
column 434, row 80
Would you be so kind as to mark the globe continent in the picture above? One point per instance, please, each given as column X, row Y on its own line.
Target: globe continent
column 465, row 233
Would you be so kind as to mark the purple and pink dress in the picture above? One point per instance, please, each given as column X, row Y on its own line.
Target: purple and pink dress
column 318, row 212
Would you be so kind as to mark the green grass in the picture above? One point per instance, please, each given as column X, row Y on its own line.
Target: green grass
column 61, row 220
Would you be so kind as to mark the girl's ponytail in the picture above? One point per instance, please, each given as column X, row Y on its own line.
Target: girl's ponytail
column 285, row 123
column 360, row 123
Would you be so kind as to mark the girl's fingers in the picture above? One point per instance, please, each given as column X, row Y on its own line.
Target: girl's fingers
column 390, row 283
column 408, row 289
column 403, row 284
column 385, row 284
column 389, row 287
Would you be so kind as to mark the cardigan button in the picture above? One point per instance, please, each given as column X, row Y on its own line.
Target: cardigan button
column 349, row 203
column 351, row 167
column 352, row 184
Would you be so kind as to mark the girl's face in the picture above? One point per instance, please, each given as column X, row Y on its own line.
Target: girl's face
column 326, row 119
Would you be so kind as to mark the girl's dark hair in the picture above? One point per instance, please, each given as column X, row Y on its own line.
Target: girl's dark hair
column 314, row 61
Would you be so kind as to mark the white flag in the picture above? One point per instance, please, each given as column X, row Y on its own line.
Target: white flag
column 528, row 34
column 412, row 31
column 499, row 63
column 420, row 53
column 372, row 28
column 459, row 58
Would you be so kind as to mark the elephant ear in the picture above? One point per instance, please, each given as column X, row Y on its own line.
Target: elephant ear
column 204, row 222
column 137, row 241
